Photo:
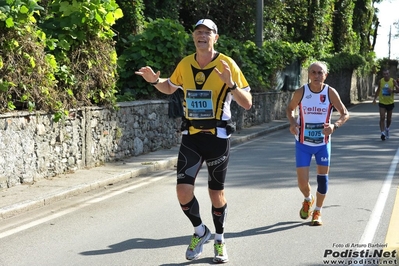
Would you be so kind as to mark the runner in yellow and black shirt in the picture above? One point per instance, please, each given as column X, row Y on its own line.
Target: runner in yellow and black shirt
column 210, row 81
column 207, row 97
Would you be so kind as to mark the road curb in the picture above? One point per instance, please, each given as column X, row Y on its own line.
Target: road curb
column 144, row 168
column 241, row 139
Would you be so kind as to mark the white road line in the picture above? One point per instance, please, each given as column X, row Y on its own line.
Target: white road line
column 80, row 206
column 376, row 214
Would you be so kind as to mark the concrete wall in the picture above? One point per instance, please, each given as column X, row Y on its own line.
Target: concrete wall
column 351, row 87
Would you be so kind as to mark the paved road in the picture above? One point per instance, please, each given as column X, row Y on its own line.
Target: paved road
column 139, row 222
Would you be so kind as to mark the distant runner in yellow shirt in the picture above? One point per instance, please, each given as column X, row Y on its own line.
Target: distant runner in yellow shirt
column 386, row 87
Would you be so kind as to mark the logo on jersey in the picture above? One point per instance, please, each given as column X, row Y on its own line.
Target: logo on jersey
column 323, row 98
column 314, row 110
column 200, row 78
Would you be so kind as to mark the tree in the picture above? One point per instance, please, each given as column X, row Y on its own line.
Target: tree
column 344, row 38
column 132, row 22
column 233, row 18
column 363, row 15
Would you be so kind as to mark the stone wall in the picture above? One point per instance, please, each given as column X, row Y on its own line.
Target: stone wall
column 33, row 146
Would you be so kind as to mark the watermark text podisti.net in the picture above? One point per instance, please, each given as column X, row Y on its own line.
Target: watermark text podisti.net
column 361, row 253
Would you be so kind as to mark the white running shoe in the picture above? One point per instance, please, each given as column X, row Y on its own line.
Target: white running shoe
column 387, row 133
column 220, row 252
column 195, row 248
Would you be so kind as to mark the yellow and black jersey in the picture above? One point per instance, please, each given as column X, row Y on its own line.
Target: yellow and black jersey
column 206, row 96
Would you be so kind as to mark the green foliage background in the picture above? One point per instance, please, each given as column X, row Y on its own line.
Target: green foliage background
column 57, row 55
column 61, row 54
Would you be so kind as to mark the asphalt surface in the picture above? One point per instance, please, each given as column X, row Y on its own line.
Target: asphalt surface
column 136, row 222
column 23, row 198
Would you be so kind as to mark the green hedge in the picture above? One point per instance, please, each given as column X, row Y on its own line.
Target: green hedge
column 58, row 56
column 62, row 55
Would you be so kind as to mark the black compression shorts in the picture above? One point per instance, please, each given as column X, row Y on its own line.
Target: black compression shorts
column 200, row 147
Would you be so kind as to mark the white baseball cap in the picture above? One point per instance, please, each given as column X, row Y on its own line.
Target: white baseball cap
column 208, row 23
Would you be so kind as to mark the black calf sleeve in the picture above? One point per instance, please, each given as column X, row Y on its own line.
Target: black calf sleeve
column 219, row 218
column 191, row 210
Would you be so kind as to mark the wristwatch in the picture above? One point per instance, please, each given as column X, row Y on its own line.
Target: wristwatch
column 155, row 83
column 234, row 87
column 335, row 126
